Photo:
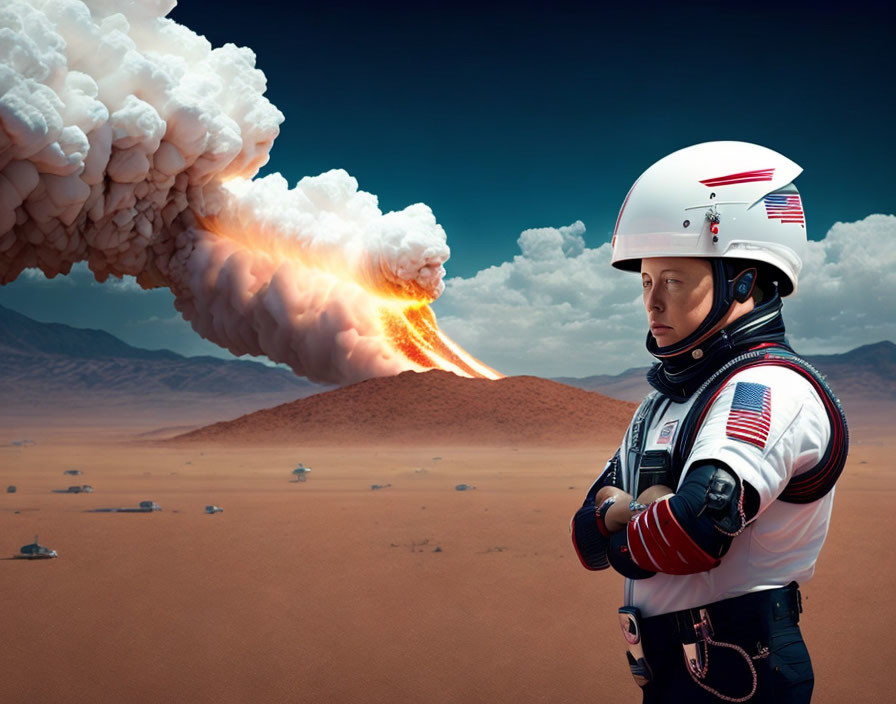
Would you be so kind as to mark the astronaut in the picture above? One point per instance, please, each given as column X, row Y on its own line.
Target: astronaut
column 717, row 503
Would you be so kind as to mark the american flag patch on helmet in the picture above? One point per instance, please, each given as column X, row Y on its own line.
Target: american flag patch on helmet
column 750, row 417
column 785, row 207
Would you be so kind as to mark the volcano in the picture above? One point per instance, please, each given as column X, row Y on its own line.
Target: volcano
column 433, row 407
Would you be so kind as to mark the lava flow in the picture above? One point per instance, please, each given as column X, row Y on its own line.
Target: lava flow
column 413, row 331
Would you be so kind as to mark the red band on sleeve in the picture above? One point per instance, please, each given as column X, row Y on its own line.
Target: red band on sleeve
column 658, row 543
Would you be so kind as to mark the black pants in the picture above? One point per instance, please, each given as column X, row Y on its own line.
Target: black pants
column 766, row 619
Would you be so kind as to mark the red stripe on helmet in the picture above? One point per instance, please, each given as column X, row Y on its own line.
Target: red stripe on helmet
column 742, row 177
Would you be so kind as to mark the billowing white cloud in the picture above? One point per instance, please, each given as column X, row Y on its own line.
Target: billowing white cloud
column 557, row 309
column 847, row 288
column 560, row 309
column 128, row 144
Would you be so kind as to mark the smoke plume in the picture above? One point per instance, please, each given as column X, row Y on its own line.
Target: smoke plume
column 128, row 142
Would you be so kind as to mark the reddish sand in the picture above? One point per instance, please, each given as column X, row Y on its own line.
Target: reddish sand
column 434, row 406
column 328, row 591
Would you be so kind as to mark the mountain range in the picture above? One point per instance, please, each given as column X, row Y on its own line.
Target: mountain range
column 867, row 373
column 55, row 369
column 53, row 356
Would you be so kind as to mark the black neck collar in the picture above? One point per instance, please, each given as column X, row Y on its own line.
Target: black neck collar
column 680, row 375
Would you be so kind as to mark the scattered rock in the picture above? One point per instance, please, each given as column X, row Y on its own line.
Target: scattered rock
column 301, row 472
column 83, row 489
column 415, row 546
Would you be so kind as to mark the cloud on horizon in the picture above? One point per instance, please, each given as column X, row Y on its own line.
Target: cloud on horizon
column 556, row 309
column 847, row 288
column 80, row 275
column 559, row 308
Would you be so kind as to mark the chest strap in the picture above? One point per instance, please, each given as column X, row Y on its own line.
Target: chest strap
column 808, row 486
column 639, row 465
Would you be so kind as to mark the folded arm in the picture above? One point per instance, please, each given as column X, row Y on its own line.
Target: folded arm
column 676, row 533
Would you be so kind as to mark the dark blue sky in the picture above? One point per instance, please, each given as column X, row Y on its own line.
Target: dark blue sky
column 506, row 117
column 503, row 118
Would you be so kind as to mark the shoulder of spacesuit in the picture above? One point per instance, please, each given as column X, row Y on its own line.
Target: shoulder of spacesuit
column 770, row 422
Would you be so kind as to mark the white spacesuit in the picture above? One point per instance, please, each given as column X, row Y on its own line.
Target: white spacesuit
column 764, row 448
column 744, row 439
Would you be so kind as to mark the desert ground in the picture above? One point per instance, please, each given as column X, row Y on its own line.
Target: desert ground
column 331, row 591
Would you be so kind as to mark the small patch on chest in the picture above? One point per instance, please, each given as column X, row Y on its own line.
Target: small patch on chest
column 667, row 433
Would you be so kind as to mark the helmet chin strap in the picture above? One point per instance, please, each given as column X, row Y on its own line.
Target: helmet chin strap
column 728, row 290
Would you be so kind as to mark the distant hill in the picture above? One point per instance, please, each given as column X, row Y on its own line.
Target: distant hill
column 51, row 370
column 630, row 385
column 54, row 371
column 867, row 373
column 21, row 335
column 434, row 406
column 48, row 357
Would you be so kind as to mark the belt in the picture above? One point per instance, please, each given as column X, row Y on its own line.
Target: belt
column 736, row 613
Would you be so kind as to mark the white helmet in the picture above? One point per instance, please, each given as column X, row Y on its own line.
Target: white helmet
column 732, row 200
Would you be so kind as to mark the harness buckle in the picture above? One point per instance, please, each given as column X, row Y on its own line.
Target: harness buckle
column 696, row 653
column 630, row 621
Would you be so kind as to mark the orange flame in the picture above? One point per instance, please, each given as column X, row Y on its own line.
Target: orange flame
column 407, row 325
column 412, row 330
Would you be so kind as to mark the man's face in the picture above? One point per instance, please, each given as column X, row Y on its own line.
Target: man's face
column 677, row 296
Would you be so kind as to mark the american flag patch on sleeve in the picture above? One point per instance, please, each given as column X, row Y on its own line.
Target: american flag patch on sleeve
column 750, row 417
